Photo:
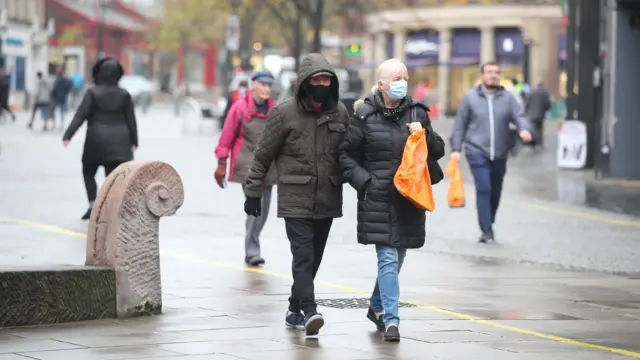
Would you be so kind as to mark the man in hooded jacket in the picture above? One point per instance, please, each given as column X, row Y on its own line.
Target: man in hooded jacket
column 302, row 137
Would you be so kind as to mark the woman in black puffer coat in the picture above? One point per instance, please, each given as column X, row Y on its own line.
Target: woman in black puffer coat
column 112, row 134
column 370, row 156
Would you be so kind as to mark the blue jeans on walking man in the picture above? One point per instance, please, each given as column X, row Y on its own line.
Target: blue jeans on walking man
column 386, row 292
column 488, row 176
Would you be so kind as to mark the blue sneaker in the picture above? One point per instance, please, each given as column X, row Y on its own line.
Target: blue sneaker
column 294, row 320
column 312, row 323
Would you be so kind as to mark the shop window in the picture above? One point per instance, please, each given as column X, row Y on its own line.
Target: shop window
column 142, row 64
column 195, row 66
column 23, row 10
column 20, row 70
column 17, row 67
column 11, row 9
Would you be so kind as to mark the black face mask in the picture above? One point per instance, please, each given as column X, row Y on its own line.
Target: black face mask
column 319, row 93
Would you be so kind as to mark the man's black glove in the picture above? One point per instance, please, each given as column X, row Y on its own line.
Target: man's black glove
column 253, row 206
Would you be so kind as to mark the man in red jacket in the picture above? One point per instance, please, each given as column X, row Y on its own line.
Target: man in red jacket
column 242, row 130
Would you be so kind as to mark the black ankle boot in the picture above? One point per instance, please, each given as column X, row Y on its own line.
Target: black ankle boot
column 86, row 215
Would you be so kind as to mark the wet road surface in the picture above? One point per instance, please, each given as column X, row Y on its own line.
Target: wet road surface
column 474, row 303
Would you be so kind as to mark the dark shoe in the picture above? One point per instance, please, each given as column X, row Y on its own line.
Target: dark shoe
column 313, row 322
column 294, row 320
column 486, row 237
column 371, row 315
column 86, row 215
column 254, row 261
column 392, row 333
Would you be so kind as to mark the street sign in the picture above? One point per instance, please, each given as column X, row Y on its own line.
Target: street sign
column 233, row 33
column 354, row 50
column 572, row 145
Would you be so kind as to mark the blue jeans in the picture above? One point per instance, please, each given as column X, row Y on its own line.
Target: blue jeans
column 386, row 293
column 63, row 109
column 488, row 177
column 44, row 110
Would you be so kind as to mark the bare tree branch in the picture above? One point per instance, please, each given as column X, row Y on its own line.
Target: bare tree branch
column 288, row 24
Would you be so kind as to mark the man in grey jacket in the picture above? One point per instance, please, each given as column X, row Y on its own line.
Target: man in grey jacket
column 482, row 126
column 42, row 97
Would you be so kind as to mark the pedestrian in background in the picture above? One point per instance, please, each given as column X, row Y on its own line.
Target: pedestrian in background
column 77, row 81
column 536, row 107
column 235, row 95
column 482, row 128
column 59, row 96
column 5, row 91
column 42, row 98
column 369, row 157
column 112, row 133
column 242, row 130
column 302, row 137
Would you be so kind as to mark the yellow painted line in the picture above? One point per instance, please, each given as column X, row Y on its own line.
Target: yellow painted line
column 440, row 310
column 584, row 215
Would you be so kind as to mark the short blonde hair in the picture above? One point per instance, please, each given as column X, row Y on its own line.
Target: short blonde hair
column 387, row 66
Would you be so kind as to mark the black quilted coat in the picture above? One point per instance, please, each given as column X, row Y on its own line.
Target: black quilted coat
column 111, row 120
column 370, row 156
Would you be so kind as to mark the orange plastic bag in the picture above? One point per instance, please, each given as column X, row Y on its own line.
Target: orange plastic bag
column 412, row 178
column 456, row 187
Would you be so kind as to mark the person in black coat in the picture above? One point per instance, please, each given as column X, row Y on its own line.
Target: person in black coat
column 369, row 157
column 112, row 134
column 5, row 89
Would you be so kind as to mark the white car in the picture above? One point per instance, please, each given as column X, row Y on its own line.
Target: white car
column 139, row 88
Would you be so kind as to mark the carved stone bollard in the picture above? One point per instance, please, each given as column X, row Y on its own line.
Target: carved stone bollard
column 124, row 228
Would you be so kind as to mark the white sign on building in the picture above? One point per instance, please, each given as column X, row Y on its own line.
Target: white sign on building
column 572, row 145
column 420, row 46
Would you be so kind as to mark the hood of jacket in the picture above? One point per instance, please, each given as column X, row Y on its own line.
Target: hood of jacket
column 107, row 71
column 310, row 65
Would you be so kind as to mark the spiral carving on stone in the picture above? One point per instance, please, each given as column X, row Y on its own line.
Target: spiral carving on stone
column 124, row 230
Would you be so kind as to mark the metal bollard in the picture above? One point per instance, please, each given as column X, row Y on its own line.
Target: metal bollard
column 176, row 104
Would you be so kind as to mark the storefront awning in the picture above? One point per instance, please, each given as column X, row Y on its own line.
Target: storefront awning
column 110, row 17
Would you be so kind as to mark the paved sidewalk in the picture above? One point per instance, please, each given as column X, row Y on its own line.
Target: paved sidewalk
column 217, row 309
column 472, row 306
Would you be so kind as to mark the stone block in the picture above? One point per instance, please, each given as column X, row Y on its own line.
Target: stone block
column 49, row 295
column 124, row 229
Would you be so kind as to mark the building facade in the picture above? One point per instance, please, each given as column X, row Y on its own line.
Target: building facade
column 24, row 33
column 443, row 44
column 121, row 30
column 83, row 29
column 616, row 126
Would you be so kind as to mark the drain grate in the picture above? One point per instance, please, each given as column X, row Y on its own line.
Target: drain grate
column 353, row 303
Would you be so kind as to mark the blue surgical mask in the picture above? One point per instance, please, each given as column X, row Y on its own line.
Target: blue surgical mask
column 398, row 90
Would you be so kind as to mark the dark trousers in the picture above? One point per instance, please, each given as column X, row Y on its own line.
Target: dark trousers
column 538, row 132
column 89, row 172
column 488, row 176
column 308, row 238
column 44, row 110
column 5, row 107
column 62, row 105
